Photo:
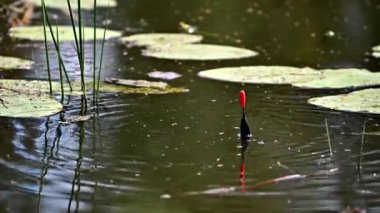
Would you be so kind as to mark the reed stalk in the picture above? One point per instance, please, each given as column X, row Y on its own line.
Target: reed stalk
column 101, row 55
column 60, row 68
column 46, row 46
column 94, row 60
column 55, row 43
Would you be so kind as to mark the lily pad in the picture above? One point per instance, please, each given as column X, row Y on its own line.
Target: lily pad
column 342, row 78
column 365, row 101
column 42, row 87
column 14, row 104
column 199, row 52
column 36, row 33
column 85, row 4
column 261, row 74
column 11, row 63
column 299, row 77
column 146, row 39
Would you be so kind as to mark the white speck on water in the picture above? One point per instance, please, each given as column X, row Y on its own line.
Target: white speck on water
column 174, row 124
column 275, row 141
column 220, row 165
column 218, row 159
column 213, row 100
column 236, row 127
column 165, row 196
column 199, row 173
column 347, row 150
column 137, row 175
column 163, row 154
column 221, row 133
column 374, row 174
column 260, row 142
column 187, row 127
column 330, row 34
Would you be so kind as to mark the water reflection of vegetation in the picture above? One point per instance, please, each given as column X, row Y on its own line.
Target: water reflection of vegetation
column 46, row 159
column 75, row 185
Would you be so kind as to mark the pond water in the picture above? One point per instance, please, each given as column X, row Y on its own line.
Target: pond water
column 161, row 153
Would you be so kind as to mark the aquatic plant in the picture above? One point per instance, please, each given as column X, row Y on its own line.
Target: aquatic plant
column 78, row 34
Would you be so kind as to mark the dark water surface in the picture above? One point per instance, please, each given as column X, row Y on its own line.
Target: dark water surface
column 148, row 153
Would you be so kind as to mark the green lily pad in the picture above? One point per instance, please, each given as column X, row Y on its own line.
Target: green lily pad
column 299, row 77
column 36, row 87
column 14, row 104
column 199, row 52
column 146, row 39
column 342, row 78
column 85, row 4
column 365, row 101
column 261, row 74
column 11, row 63
column 36, row 33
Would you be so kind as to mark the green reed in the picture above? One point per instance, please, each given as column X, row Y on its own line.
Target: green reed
column 60, row 68
column 49, row 25
column 101, row 55
column 79, row 38
column 46, row 46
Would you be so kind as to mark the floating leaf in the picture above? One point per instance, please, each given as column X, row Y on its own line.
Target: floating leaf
column 144, row 87
column 137, row 83
column 261, row 74
column 197, row 52
column 164, row 75
column 10, row 63
column 36, row 33
column 146, row 39
column 342, row 78
column 366, row 101
column 85, row 4
column 14, row 104
column 42, row 87
column 299, row 77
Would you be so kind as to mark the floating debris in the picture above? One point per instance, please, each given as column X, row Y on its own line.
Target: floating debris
column 164, row 75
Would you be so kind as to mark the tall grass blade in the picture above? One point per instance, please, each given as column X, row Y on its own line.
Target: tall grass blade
column 46, row 45
column 94, row 60
column 101, row 54
column 73, row 25
column 328, row 137
column 60, row 68
column 56, row 46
